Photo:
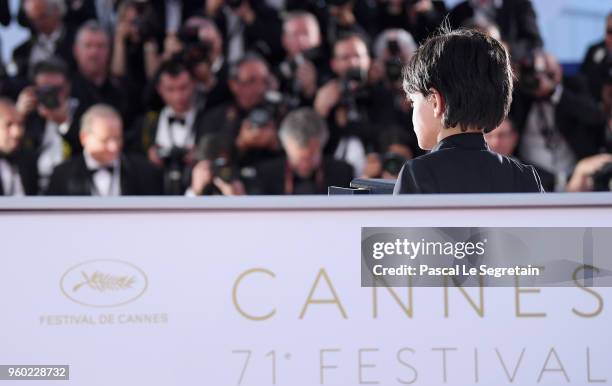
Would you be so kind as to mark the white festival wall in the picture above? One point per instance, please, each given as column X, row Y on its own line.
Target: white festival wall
column 272, row 297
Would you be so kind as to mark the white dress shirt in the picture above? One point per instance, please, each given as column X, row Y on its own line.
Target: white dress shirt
column 44, row 46
column 104, row 183
column 178, row 135
column 52, row 146
column 11, row 180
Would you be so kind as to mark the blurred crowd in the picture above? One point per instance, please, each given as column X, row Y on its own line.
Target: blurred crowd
column 229, row 97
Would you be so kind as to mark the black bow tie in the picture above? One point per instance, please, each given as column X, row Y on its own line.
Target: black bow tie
column 110, row 169
column 10, row 158
column 175, row 119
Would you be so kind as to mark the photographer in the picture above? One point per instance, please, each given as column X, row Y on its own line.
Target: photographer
column 419, row 17
column 92, row 83
column 558, row 120
column 516, row 20
column 304, row 170
column 396, row 146
column 393, row 49
column 345, row 102
column 50, row 37
column 168, row 137
column 304, row 62
column 215, row 172
column 597, row 63
column 203, row 55
column 592, row 173
column 50, row 117
column 250, row 119
column 248, row 26
column 134, row 56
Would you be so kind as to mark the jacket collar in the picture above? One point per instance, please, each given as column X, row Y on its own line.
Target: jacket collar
column 474, row 141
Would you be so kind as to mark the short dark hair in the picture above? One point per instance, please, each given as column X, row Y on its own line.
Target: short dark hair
column 471, row 71
column 172, row 67
column 52, row 65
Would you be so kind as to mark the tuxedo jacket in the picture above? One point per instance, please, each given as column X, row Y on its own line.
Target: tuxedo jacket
column 63, row 50
column 138, row 178
column 463, row 163
column 141, row 135
column 25, row 161
column 35, row 126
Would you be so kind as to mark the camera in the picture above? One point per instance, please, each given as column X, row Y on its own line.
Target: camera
column 222, row 168
column 267, row 111
column 528, row 70
column 392, row 163
column 351, row 88
column 602, row 179
column 393, row 65
column 174, row 169
column 48, row 96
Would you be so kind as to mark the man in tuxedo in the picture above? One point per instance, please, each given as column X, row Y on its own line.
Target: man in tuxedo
column 558, row 120
column 18, row 174
column 169, row 136
column 304, row 170
column 304, row 63
column 454, row 103
column 50, row 37
column 93, row 83
column 50, row 117
column 102, row 169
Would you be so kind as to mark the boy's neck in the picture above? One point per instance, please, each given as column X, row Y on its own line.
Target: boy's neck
column 455, row 130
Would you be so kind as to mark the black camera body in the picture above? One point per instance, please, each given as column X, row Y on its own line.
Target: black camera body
column 393, row 65
column 174, row 169
column 224, row 169
column 267, row 111
column 351, row 87
column 48, row 96
column 602, row 179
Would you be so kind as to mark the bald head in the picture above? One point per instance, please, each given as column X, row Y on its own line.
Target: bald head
column 101, row 133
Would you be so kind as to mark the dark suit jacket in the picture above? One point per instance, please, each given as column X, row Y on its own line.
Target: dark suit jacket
column 271, row 176
column 577, row 117
column 138, row 178
column 35, row 130
column 463, row 163
column 63, row 50
column 28, row 171
column 141, row 134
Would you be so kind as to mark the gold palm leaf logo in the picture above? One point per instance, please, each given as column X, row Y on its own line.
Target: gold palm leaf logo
column 102, row 282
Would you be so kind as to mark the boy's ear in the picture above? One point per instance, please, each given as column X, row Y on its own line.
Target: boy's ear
column 438, row 103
